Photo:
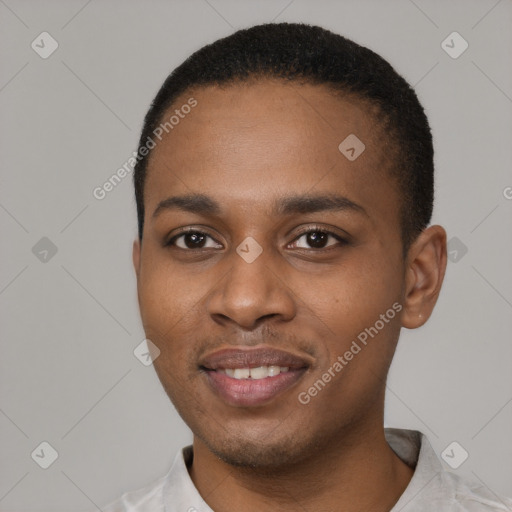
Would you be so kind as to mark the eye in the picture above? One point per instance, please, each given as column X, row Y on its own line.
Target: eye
column 317, row 238
column 314, row 238
column 191, row 239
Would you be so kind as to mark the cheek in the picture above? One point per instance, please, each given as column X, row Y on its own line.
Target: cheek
column 355, row 296
column 170, row 303
column 166, row 299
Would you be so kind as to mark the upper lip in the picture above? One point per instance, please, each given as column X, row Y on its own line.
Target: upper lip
column 252, row 358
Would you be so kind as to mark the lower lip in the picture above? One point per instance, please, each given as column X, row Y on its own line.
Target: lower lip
column 252, row 392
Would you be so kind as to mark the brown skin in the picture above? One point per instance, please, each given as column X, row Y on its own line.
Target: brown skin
column 246, row 146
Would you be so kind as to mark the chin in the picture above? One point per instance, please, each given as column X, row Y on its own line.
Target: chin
column 266, row 453
column 250, row 455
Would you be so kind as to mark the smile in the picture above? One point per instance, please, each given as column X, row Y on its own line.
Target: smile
column 261, row 372
column 249, row 377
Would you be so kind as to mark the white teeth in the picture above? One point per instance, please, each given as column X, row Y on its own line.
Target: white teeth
column 274, row 370
column 261, row 372
column 241, row 373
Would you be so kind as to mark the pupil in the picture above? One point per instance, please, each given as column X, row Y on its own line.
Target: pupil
column 317, row 239
column 194, row 238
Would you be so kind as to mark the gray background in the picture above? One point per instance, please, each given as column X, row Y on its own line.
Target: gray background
column 69, row 325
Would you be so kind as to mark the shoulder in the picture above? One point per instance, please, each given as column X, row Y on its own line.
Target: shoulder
column 433, row 487
column 472, row 496
column 145, row 499
column 445, row 491
column 175, row 484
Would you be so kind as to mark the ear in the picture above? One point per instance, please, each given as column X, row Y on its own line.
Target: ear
column 425, row 269
column 136, row 256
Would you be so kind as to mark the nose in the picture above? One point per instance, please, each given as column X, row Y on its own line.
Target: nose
column 251, row 293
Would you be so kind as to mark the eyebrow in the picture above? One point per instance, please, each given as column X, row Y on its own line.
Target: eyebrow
column 297, row 204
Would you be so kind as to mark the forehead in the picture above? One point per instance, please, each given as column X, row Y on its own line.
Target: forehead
column 249, row 142
column 255, row 112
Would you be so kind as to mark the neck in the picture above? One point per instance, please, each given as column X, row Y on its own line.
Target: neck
column 358, row 472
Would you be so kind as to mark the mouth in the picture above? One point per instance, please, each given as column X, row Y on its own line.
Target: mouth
column 252, row 377
column 260, row 372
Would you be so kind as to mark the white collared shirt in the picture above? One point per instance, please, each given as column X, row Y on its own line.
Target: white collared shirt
column 430, row 489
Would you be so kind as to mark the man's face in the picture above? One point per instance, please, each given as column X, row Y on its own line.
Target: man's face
column 250, row 148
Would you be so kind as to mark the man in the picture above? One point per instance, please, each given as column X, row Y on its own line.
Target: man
column 284, row 190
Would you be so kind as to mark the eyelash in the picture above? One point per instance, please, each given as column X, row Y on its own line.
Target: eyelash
column 311, row 229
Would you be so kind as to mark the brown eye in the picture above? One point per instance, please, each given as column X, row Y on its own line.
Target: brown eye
column 317, row 239
column 191, row 240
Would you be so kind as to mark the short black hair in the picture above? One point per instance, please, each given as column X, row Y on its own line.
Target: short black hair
column 310, row 54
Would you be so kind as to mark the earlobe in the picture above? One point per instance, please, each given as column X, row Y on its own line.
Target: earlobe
column 136, row 256
column 426, row 266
